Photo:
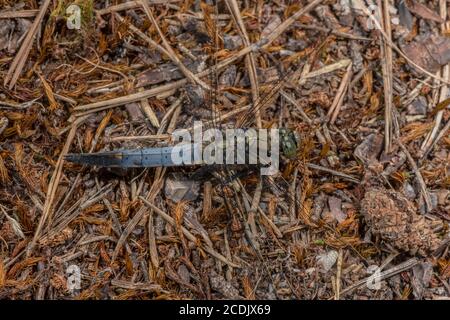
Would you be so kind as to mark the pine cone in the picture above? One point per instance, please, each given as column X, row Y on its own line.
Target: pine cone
column 394, row 219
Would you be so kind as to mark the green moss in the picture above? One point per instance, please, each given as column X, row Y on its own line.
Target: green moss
column 59, row 10
column 319, row 242
column 87, row 11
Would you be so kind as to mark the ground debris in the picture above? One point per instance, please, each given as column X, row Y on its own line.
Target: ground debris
column 347, row 204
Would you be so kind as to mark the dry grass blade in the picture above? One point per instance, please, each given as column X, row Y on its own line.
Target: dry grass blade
column 250, row 58
column 18, row 14
column 288, row 22
column 340, row 94
column 441, row 134
column 21, row 57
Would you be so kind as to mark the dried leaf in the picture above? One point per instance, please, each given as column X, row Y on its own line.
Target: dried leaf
column 3, row 124
column 335, row 205
column 209, row 22
column 178, row 188
column 405, row 16
column 327, row 259
column 430, row 53
column 424, row 12
column 369, row 149
column 221, row 285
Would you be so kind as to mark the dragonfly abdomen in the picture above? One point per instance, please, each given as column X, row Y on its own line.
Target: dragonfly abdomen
column 146, row 157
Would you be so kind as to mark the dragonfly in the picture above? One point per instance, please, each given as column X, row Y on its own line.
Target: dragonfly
column 151, row 157
column 164, row 156
column 289, row 140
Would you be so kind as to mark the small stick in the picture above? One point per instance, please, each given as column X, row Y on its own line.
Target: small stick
column 137, row 286
column 153, row 137
column 327, row 69
column 292, row 100
column 334, row 172
column 334, row 32
column 144, row 37
column 366, row 11
column 386, row 51
column 409, row 98
column 207, row 200
column 148, row 111
column 288, row 22
column 152, row 242
column 229, row 272
column 338, row 276
column 53, row 185
column 18, row 14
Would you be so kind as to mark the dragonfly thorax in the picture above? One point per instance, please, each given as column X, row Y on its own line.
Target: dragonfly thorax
column 289, row 142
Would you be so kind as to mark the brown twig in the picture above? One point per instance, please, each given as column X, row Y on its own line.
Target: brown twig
column 386, row 52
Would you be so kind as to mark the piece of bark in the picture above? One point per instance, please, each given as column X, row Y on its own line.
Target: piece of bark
column 430, row 53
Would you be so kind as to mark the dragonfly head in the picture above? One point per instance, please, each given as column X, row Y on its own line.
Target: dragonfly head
column 289, row 142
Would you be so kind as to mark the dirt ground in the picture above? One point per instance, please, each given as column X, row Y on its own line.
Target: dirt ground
column 360, row 212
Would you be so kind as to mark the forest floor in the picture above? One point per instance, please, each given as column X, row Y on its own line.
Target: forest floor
column 360, row 212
